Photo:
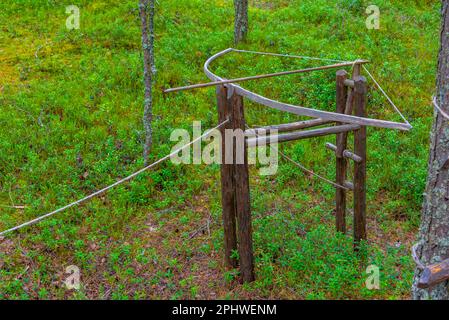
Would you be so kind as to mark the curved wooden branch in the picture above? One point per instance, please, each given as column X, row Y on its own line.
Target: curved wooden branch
column 301, row 111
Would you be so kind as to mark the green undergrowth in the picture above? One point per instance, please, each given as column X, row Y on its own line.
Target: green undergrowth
column 71, row 109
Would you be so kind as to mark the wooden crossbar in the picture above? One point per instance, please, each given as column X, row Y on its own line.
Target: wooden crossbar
column 346, row 153
column 265, row 140
column 286, row 127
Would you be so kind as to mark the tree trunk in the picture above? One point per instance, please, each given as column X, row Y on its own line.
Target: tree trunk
column 241, row 20
column 434, row 232
column 146, row 10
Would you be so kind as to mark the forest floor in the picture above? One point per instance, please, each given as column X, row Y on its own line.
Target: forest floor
column 71, row 123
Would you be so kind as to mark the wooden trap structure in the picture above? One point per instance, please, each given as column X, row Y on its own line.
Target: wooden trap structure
column 349, row 117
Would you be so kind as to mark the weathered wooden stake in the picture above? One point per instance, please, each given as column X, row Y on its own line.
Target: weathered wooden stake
column 360, row 167
column 350, row 97
column 340, row 198
column 242, row 197
column 227, row 181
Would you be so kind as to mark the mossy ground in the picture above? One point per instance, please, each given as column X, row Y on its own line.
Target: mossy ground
column 71, row 109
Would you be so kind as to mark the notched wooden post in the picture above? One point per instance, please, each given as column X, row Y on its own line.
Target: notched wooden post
column 360, row 167
column 227, row 181
column 340, row 197
column 242, row 197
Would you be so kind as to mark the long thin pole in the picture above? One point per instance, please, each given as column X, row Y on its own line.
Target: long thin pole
column 263, row 76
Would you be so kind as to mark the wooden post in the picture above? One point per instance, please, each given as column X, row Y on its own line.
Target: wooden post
column 227, row 181
column 360, row 167
column 340, row 198
column 350, row 96
column 242, row 197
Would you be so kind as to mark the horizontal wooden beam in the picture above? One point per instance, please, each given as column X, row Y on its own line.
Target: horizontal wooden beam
column 346, row 153
column 265, row 140
column 434, row 274
column 287, row 127
column 264, row 76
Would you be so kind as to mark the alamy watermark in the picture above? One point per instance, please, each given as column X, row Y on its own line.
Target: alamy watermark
column 373, row 20
column 258, row 153
column 73, row 20
column 373, row 280
column 73, row 281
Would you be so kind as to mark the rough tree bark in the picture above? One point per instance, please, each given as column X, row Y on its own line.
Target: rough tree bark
column 241, row 20
column 146, row 11
column 434, row 232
